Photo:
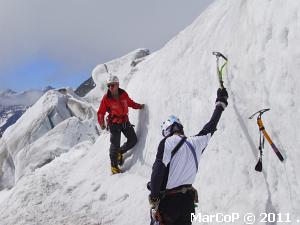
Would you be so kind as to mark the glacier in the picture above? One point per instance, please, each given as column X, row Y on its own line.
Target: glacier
column 56, row 171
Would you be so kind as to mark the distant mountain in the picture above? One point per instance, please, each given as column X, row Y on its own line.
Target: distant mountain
column 13, row 105
column 25, row 98
column 85, row 87
column 7, row 92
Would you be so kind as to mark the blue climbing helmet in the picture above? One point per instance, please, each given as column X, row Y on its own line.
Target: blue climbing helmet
column 171, row 125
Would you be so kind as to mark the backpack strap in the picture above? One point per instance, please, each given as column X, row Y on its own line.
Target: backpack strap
column 194, row 153
column 177, row 147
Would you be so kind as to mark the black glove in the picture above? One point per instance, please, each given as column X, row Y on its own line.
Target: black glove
column 149, row 185
column 154, row 201
column 222, row 97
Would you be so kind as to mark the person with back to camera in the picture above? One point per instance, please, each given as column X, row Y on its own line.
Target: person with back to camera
column 172, row 195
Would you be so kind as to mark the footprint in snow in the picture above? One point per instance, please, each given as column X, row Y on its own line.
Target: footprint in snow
column 96, row 188
column 122, row 198
column 103, row 197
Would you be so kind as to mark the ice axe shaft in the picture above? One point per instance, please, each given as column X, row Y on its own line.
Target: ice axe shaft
column 220, row 70
column 266, row 135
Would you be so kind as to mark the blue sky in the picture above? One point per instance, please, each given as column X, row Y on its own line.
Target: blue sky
column 40, row 72
column 58, row 43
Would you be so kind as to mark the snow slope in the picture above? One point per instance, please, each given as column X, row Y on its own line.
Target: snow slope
column 57, row 122
column 260, row 39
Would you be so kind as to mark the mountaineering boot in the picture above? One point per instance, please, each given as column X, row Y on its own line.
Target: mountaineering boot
column 115, row 170
column 120, row 159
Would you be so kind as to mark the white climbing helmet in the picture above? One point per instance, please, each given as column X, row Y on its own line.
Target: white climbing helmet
column 167, row 126
column 112, row 79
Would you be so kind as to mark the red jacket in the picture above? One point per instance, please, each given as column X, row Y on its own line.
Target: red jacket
column 117, row 108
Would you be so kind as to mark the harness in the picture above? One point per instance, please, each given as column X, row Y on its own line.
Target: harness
column 110, row 118
column 180, row 189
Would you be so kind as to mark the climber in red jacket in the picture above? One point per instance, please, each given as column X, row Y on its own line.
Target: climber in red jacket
column 116, row 102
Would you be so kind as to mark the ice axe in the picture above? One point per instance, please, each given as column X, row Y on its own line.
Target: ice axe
column 263, row 131
column 220, row 69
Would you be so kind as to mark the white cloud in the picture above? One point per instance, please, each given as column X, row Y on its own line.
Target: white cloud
column 81, row 34
column 24, row 98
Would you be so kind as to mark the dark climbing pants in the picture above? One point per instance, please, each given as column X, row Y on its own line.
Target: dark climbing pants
column 115, row 140
column 176, row 209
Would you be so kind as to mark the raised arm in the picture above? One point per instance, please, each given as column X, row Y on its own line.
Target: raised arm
column 221, row 104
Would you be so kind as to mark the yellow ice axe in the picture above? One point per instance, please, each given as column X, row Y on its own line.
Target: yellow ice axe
column 262, row 130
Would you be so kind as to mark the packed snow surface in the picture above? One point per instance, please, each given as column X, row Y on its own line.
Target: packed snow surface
column 60, row 173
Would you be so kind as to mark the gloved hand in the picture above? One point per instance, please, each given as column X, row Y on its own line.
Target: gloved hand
column 103, row 127
column 142, row 106
column 222, row 97
column 154, row 201
column 149, row 185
